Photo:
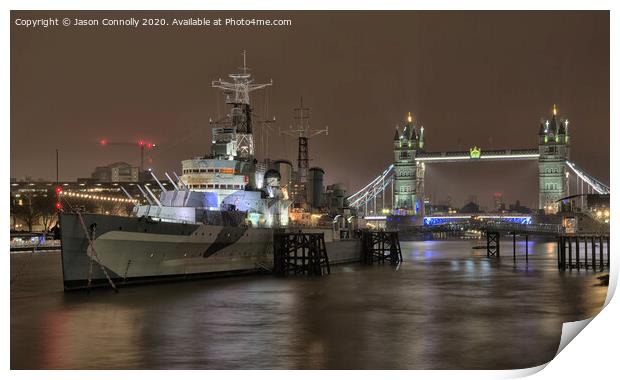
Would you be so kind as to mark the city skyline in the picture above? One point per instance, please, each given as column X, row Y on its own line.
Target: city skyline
column 126, row 85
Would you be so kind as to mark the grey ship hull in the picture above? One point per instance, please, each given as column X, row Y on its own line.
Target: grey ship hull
column 136, row 250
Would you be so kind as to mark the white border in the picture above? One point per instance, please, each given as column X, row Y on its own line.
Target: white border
column 592, row 353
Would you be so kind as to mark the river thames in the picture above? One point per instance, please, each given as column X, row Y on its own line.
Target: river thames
column 447, row 306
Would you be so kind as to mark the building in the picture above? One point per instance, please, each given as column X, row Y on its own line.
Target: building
column 116, row 172
column 554, row 149
column 406, row 144
column 498, row 202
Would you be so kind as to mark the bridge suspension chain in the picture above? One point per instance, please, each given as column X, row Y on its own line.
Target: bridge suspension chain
column 370, row 192
column 595, row 184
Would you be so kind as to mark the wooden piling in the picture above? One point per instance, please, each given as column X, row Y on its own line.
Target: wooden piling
column 595, row 262
column 585, row 252
column 493, row 244
column 593, row 254
column 559, row 243
column 608, row 262
column 600, row 248
column 514, row 247
column 577, row 251
column 527, row 250
column 570, row 254
column 300, row 253
column 380, row 246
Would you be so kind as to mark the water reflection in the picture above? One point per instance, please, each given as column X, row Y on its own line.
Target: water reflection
column 447, row 306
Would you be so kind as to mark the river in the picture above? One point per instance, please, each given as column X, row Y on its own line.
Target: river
column 446, row 306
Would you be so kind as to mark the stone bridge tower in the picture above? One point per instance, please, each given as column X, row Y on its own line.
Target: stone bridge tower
column 554, row 149
column 406, row 144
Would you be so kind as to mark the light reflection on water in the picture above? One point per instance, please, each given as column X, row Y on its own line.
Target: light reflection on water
column 447, row 306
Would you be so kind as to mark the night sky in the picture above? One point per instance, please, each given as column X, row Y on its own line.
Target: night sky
column 471, row 78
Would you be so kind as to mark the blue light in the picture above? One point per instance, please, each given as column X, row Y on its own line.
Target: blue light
column 438, row 220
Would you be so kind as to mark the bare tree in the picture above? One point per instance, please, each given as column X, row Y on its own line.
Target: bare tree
column 47, row 209
column 25, row 210
column 32, row 209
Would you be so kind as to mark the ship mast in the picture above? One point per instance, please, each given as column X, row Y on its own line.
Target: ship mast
column 301, row 129
column 237, row 92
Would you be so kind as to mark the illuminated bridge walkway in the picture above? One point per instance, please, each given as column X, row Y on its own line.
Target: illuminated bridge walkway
column 493, row 225
column 371, row 199
column 510, row 223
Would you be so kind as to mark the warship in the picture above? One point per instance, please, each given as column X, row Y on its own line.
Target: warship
column 218, row 219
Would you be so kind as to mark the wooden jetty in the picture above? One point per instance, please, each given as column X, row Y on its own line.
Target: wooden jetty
column 300, row 253
column 572, row 256
column 380, row 246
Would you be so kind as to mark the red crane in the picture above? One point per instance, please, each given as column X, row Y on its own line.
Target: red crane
column 142, row 144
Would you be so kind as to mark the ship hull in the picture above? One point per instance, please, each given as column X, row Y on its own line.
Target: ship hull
column 136, row 250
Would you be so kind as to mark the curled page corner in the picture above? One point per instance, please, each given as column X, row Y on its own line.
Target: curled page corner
column 613, row 282
column 570, row 331
column 524, row 372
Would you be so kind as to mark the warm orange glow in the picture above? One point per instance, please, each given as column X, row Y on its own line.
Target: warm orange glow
column 555, row 111
column 227, row 170
column 409, row 117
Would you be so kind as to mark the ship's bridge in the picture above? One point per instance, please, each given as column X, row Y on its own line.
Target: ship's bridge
column 219, row 176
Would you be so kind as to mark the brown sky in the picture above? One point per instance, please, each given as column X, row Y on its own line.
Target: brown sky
column 471, row 78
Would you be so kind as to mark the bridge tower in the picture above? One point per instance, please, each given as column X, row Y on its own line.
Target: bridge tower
column 554, row 149
column 406, row 144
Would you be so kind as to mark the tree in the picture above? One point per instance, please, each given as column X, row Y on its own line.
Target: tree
column 32, row 209
column 25, row 210
column 47, row 209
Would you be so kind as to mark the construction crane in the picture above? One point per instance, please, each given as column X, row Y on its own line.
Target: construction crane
column 142, row 144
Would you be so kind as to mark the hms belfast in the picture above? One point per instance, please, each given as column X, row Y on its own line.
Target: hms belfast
column 220, row 218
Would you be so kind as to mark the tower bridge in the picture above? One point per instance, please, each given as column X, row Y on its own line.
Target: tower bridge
column 404, row 180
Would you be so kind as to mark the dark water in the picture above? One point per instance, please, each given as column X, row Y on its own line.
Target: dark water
column 446, row 307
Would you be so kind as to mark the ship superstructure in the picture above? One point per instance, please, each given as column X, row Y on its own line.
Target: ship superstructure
column 229, row 178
